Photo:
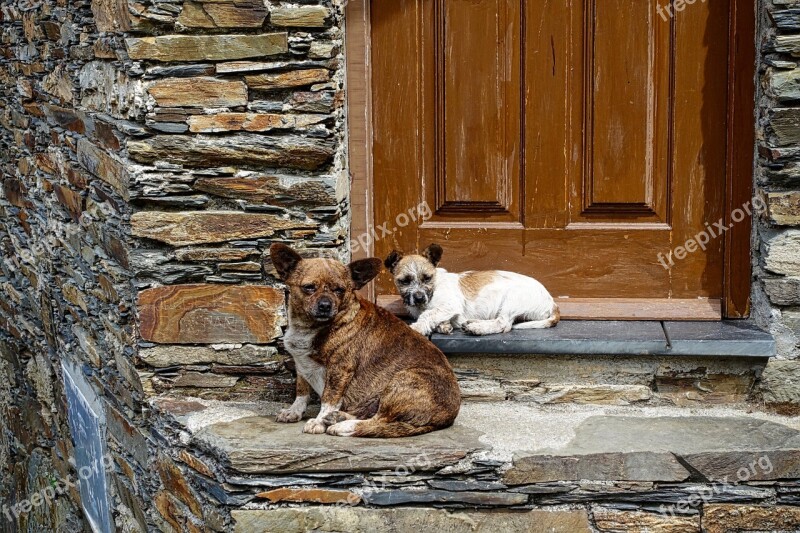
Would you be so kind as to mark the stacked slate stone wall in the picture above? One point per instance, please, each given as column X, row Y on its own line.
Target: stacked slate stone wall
column 67, row 104
column 244, row 146
column 150, row 153
column 776, row 243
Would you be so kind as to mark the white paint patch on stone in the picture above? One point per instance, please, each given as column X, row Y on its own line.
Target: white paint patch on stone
column 218, row 411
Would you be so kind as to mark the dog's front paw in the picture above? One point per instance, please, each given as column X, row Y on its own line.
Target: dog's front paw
column 336, row 417
column 445, row 328
column 289, row 415
column 343, row 429
column 421, row 328
column 473, row 327
column 315, row 427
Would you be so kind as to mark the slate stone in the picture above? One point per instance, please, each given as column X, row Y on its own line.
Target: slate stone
column 300, row 16
column 783, row 291
column 591, row 337
column 205, row 380
column 176, row 483
column 787, row 43
column 359, row 520
column 666, row 494
column 241, row 14
column 785, row 124
column 404, row 497
column 258, row 445
column 784, row 207
column 568, row 337
column 237, row 67
column 784, row 85
column 223, row 122
column 544, row 489
column 215, row 254
column 342, row 497
column 169, row 127
column 465, row 485
column 288, row 80
column 786, row 19
column 783, row 253
column 170, row 273
column 207, row 227
column 198, row 92
column 727, row 518
column 612, row 521
column 105, row 166
column 728, row 337
column 206, row 47
column 274, row 481
column 111, row 15
column 281, row 190
column 664, row 449
column 203, row 151
column 780, row 385
column 185, row 201
column 205, row 313
column 312, row 102
column 788, row 493
column 180, row 71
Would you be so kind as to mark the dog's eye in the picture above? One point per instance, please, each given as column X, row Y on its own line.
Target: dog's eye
column 404, row 281
column 339, row 291
column 426, row 279
column 309, row 289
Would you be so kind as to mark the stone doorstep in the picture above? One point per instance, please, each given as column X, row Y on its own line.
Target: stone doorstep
column 737, row 338
column 537, row 444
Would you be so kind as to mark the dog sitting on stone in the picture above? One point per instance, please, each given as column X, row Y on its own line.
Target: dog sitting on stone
column 376, row 377
column 479, row 302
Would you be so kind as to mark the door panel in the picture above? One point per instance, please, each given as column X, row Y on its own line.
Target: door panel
column 627, row 104
column 572, row 141
column 476, row 171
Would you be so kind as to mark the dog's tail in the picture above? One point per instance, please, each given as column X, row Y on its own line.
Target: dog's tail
column 549, row 322
column 378, row 428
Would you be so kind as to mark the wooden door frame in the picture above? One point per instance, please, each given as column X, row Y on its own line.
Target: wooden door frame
column 740, row 150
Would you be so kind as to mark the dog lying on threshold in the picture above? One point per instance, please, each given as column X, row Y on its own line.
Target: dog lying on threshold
column 376, row 377
column 479, row 302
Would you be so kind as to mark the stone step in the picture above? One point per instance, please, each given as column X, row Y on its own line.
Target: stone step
column 514, row 467
column 537, row 444
column 614, row 362
column 727, row 338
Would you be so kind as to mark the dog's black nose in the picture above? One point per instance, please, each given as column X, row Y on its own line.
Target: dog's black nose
column 324, row 305
column 418, row 297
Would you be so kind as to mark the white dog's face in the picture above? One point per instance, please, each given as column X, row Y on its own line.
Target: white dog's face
column 415, row 275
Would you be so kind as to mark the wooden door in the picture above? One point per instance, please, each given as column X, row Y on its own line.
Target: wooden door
column 570, row 140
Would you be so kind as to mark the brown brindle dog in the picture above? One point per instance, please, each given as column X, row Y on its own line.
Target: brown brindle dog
column 375, row 375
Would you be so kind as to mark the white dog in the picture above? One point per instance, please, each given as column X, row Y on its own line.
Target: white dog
column 479, row 302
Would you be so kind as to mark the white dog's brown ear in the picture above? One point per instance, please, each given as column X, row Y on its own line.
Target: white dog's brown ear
column 285, row 259
column 433, row 253
column 392, row 259
column 364, row 270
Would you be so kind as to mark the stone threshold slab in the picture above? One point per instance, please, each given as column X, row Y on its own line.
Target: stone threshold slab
column 730, row 338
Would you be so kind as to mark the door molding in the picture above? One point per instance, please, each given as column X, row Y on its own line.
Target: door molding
column 359, row 124
column 740, row 144
column 741, row 147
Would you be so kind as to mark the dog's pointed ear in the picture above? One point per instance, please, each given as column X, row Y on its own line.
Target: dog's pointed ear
column 364, row 270
column 392, row 259
column 433, row 253
column 285, row 259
